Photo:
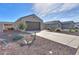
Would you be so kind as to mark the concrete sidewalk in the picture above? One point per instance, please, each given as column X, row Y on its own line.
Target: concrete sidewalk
column 69, row 40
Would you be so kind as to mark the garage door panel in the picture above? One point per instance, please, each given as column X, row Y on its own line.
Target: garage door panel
column 33, row 25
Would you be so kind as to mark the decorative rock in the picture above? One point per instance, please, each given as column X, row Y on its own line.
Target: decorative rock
column 50, row 52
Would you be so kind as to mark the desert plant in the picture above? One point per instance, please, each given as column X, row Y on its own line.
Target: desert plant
column 32, row 41
column 17, row 37
column 22, row 26
column 76, row 30
column 73, row 30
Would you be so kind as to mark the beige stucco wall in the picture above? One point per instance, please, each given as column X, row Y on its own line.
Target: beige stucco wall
column 6, row 27
column 1, row 27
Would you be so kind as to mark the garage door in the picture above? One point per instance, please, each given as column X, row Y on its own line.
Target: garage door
column 33, row 25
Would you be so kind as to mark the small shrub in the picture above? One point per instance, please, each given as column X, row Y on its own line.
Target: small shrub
column 76, row 30
column 17, row 37
column 22, row 26
column 58, row 30
column 73, row 30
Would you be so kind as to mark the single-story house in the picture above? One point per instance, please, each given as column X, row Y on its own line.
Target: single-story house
column 4, row 26
column 77, row 25
column 53, row 25
column 32, row 22
column 68, row 25
column 62, row 26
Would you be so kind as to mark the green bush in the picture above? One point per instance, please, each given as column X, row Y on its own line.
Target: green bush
column 17, row 37
column 22, row 26
column 73, row 30
column 76, row 30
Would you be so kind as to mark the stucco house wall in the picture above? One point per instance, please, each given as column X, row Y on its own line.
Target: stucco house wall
column 53, row 25
column 77, row 25
column 1, row 27
column 66, row 26
column 6, row 26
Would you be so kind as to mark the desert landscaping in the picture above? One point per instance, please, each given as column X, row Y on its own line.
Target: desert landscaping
column 41, row 46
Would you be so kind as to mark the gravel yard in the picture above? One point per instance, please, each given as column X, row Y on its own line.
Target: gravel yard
column 40, row 46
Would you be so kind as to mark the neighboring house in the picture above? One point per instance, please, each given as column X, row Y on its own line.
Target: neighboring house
column 32, row 22
column 77, row 25
column 5, row 26
column 53, row 25
column 62, row 26
column 68, row 25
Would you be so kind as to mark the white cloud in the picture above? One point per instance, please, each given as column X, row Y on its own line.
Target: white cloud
column 68, row 6
column 43, row 9
column 75, row 18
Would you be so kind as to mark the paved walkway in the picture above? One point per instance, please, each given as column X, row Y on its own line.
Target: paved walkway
column 69, row 40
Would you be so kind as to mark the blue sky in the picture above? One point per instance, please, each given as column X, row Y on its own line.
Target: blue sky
column 10, row 12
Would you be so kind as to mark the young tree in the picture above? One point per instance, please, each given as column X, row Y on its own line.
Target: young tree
column 22, row 26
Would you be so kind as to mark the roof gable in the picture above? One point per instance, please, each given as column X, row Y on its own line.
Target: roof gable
column 32, row 15
column 52, row 22
column 68, row 22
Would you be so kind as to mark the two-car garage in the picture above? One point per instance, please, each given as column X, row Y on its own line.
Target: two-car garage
column 33, row 25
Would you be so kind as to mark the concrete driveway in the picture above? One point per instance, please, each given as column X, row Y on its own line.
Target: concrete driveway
column 69, row 40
